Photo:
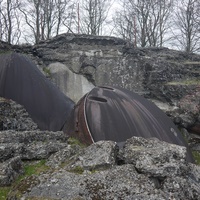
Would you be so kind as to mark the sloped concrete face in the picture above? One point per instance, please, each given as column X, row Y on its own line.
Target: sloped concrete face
column 71, row 84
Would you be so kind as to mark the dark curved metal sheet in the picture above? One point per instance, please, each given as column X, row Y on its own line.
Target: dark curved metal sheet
column 118, row 114
column 22, row 81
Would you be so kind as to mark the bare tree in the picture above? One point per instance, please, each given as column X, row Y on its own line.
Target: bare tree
column 159, row 21
column 31, row 10
column 125, row 23
column 57, row 13
column 132, row 20
column 45, row 18
column 145, row 21
column 93, row 15
column 186, row 29
column 65, row 15
column 9, row 21
column 60, row 13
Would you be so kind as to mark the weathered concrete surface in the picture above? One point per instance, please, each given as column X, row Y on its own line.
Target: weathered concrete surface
column 145, row 169
column 159, row 73
column 30, row 145
column 10, row 170
column 14, row 117
column 71, row 84
column 100, row 155
column 148, row 157
column 26, row 145
column 100, row 59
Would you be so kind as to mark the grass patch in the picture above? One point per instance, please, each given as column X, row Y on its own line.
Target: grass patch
column 33, row 169
column 185, row 82
column 74, row 141
column 23, row 182
column 47, row 71
column 196, row 156
column 5, row 51
column 77, row 170
column 192, row 63
column 43, row 198
column 4, row 192
column 26, row 180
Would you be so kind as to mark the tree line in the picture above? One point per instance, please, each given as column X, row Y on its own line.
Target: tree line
column 143, row 23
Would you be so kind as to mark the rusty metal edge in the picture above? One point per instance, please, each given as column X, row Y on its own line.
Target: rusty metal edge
column 86, row 122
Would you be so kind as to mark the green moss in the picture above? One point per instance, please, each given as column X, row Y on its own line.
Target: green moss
column 174, row 62
column 184, row 134
column 24, row 185
column 5, row 52
column 4, row 192
column 93, row 171
column 196, row 155
column 192, row 63
column 27, row 180
column 33, row 168
column 47, row 71
column 185, row 82
column 77, row 170
column 39, row 198
column 74, row 141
